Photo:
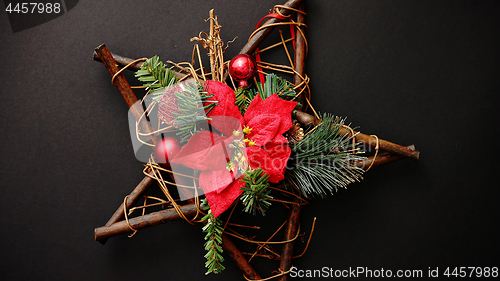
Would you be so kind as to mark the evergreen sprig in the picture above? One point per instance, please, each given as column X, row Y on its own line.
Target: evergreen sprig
column 255, row 192
column 214, row 230
column 244, row 96
column 273, row 85
column 156, row 75
column 276, row 85
column 192, row 111
column 324, row 159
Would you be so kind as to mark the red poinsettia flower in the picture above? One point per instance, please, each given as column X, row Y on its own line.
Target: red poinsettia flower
column 265, row 122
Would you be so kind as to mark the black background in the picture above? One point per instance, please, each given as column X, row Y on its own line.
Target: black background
column 421, row 72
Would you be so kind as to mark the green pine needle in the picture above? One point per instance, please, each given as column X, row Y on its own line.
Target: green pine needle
column 213, row 229
column 273, row 85
column 255, row 192
column 276, row 85
column 323, row 160
column 156, row 76
column 244, row 97
column 192, row 116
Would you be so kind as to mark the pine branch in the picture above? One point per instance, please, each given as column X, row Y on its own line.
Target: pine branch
column 192, row 110
column 255, row 192
column 273, row 85
column 156, row 75
column 214, row 229
column 244, row 97
column 276, row 85
column 324, row 159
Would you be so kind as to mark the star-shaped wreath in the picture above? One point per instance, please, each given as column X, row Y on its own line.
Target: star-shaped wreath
column 248, row 145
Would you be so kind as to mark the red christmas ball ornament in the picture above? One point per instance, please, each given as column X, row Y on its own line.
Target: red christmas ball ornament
column 165, row 150
column 168, row 107
column 242, row 68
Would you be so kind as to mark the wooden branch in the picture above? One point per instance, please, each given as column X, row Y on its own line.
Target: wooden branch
column 122, row 84
column 124, row 61
column 386, row 146
column 254, row 42
column 381, row 159
column 300, row 54
column 105, row 56
column 131, row 200
column 235, row 254
column 128, row 95
column 141, row 222
column 290, row 232
column 309, row 120
column 121, row 61
column 294, row 213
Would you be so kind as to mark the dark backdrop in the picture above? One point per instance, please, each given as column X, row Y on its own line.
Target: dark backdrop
column 412, row 72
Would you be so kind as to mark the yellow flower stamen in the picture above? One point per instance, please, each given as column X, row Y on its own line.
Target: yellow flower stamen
column 230, row 167
column 247, row 130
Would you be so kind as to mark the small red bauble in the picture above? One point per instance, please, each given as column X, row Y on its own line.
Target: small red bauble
column 242, row 68
column 165, row 150
column 168, row 108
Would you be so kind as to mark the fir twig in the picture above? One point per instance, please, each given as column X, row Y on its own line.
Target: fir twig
column 273, row 85
column 214, row 230
column 324, row 159
column 255, row 192
column 244, row 96
column 276, row 85
column 192, row 110
column 156, row 76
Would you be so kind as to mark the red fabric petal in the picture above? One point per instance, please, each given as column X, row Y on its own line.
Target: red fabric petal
column 264, row 128
column 279, row 153
column 274, row 105
column 271, row 158
column 205, row 150
column 254, row 109
column 215, row 181
column 226, row 99
column 219, row 202
column 279, row 139
column 226, row 124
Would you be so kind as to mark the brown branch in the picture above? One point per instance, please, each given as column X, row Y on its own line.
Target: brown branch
column 124, row 87
column 128, row 95
column 131, row 200
column 141, row 222
column 120, row 82
column 381, row 159
column 121, row 61
column 254, row 42
column 290, row 232
column 300, row 54
column 114, row 228
column 124, row 61
column 235, row 254
column 309, row 120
